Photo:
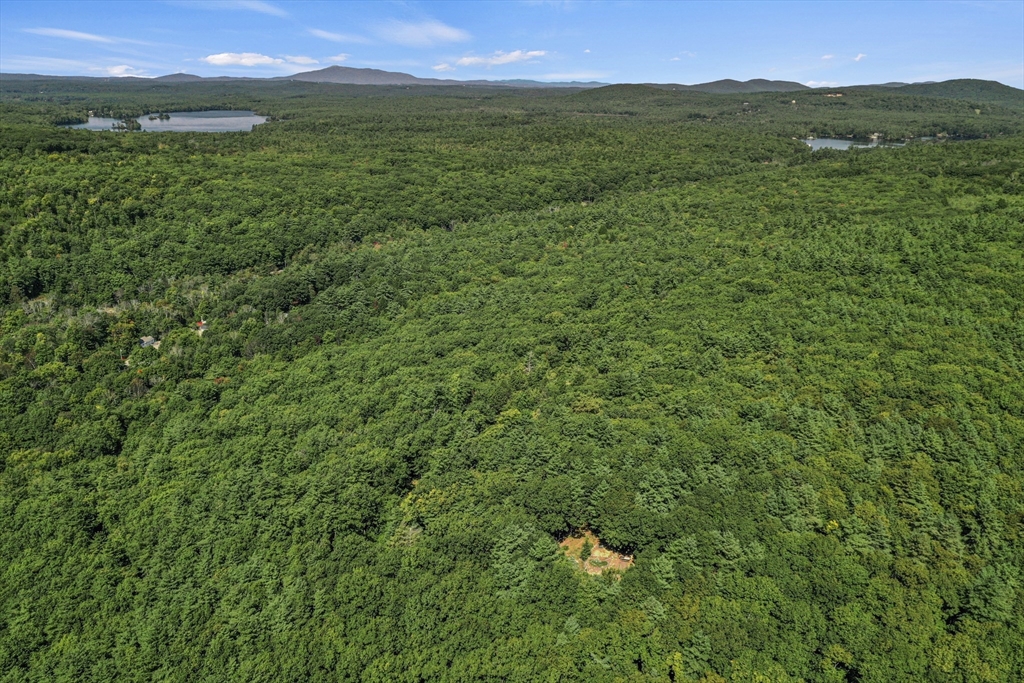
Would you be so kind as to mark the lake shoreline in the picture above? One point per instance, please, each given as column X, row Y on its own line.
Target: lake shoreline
column 213, row 121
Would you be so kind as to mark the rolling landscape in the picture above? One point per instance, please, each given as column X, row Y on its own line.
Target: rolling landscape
column 967, row 89
column 502, row 379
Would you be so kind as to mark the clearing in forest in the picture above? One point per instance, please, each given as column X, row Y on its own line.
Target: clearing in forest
column 586, row 551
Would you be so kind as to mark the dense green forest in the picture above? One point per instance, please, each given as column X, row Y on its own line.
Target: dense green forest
column 446, row 328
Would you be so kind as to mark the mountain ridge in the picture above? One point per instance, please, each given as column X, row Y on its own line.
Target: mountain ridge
column 965, row 88
column 729, row 86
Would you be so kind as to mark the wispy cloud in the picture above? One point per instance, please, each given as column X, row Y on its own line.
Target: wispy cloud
column 821, row 84
column 70, row 35
column 827, row 56
column 499, row 58
column 240, row 59
column 34, row 64
column 567, row 5
column 444, row 66
column 421, row 34
column 299, row 59
column 243, row 5
column 339, row 37
column 859, row 57
column 50, row 64
column 337, row 59
column 259, row 6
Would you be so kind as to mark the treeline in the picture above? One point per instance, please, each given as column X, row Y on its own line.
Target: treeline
column 966, row 108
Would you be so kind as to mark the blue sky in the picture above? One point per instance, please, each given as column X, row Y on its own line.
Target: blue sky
column 817, row 43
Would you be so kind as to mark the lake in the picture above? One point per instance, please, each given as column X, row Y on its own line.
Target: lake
column 847, row 143
column 221, row 121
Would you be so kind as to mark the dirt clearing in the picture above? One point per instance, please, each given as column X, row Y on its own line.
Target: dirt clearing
column 598, row 559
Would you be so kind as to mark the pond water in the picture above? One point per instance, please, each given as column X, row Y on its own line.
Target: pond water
column 221, row 121
column 846, row 143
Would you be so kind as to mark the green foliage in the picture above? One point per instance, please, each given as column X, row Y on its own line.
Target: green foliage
column 447, row 327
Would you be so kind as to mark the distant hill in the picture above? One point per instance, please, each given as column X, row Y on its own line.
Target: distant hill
column 179, row 78
column 973, row 89
column 30, row 77
column 526, row 83
column 728, row 86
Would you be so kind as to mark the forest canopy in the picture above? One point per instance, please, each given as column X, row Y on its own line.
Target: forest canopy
column 411, row 339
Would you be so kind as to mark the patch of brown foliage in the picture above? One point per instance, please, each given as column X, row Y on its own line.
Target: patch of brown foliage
column 601, row 558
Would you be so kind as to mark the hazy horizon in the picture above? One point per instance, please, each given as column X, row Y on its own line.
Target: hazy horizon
column 815, row 44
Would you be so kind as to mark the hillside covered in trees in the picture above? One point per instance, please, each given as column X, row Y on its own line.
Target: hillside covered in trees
column 410, row 341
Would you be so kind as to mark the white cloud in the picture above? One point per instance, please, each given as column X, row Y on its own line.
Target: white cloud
column 337, row 59
column 121, row 70
column 500, row 57
column 827, row 56
column 859, row 57
column 821, row 84
column 587, row 51
column 338, row 37
column 674, row 59
column 299, row 59
column 443, row 67
column 240, row 59
column 422, row 34
column 71, row 35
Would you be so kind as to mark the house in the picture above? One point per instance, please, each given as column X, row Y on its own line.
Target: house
column 147, row 341
column 201, row 327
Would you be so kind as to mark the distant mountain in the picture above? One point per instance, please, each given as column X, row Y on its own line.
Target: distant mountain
column 728, row 86
column 179, row 78
column 352, row 76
